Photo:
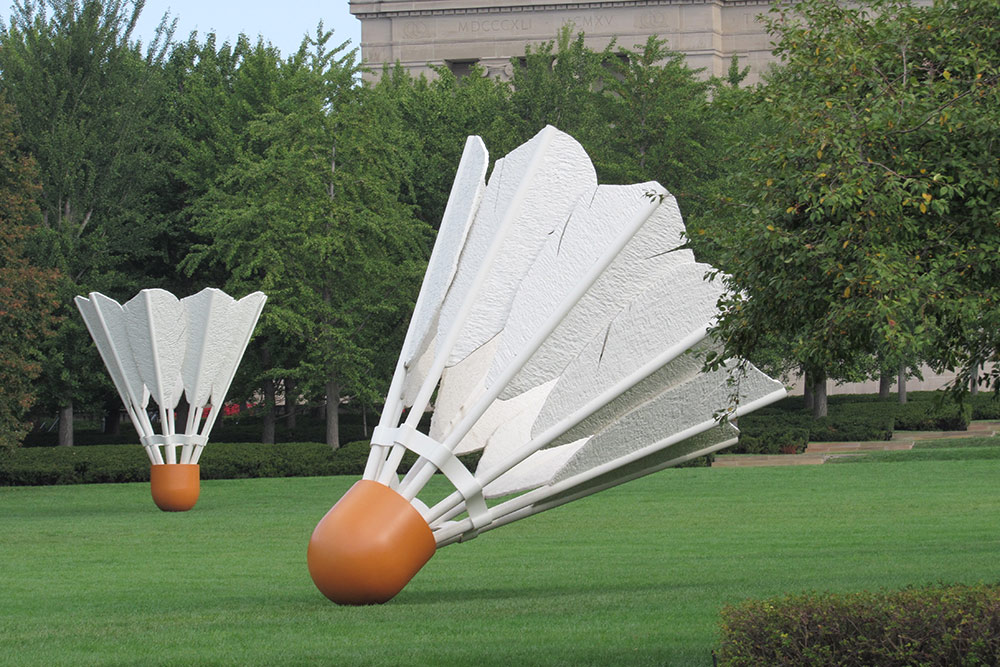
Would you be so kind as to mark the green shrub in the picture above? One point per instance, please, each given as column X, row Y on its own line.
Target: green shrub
column 985, row 405
column 38, row 466
column 779, row 428
column 938, row 625
column 933, row 416
column 777, row 431
column 776, row 439
column 41, row 466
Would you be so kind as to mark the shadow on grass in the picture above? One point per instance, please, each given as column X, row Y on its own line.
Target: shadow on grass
column 494, row 594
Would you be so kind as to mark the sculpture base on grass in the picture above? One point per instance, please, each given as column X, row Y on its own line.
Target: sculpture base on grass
column 175, row 486
column 369, row 546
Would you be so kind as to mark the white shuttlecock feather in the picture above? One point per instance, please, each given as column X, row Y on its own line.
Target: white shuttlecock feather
column 159, row 347
column 561, row 325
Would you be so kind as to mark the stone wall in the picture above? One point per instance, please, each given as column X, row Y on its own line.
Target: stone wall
column 457, row 33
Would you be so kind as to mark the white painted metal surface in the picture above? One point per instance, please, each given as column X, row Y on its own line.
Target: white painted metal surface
column 159, row 347
column 570, row 328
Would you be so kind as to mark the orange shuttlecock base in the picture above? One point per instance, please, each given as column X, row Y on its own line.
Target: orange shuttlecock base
column 368, row 546
column 175, row 486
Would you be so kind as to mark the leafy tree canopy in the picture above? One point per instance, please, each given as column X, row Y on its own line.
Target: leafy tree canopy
column 869, row 216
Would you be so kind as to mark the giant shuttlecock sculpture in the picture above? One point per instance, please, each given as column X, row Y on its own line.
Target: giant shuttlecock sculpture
column 562, row 327
column 158, row 347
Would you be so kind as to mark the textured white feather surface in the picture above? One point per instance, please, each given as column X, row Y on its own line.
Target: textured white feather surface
column 114, row 317
column 650, row 253
column 209, row 312
column 159, row 347
column 704, row 442
column 535, row 471
column 243, row 316
column 463, row 203
column 570, row 327
column 157, row 330
column 650, row 324
column 681, row 407
column 565, row 259
column 531, row 192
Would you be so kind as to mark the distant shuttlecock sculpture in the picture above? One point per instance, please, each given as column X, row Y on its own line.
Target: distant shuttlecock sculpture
column 158, row 347
column 563, row 329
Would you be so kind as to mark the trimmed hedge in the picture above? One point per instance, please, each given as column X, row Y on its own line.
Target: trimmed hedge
column 117, row 463
column 933, row 416
column 43, row 466
column 238, row 429
column 937, row 625
column 985, row 405
column 761, row 438
column 787, row 426
column 777, row 431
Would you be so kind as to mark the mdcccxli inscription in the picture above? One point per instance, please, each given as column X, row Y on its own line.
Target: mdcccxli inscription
column 494, row 25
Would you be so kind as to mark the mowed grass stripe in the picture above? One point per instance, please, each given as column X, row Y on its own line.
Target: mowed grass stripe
column 636, row 575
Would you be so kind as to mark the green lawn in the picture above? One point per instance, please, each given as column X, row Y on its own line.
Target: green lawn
column 95, row 574
column 942, row 449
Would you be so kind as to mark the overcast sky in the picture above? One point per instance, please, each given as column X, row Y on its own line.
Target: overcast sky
column 282, row 23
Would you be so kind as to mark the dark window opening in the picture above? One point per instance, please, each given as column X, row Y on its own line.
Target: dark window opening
column 461, row 68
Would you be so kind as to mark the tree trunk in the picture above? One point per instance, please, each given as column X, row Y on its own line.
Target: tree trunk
column 819, row 396
column 112, row 415
column 807, row 391
column 902, row 383
column 332, row 414
column 291, row 403
column 181, row 413
column 974, row 380
column 66, row 425
column 267, row 435
column 884, row 384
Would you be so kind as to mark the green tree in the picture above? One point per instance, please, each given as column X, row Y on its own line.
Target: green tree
column 25, row 290
column 435, row 117
column 310, row 212
column 558, row 83
column 656, row 124
column 90, row 102
column 869, row 217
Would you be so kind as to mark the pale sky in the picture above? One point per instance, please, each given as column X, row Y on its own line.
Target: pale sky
column 283, row 23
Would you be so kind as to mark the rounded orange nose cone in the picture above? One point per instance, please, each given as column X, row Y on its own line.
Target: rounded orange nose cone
column 369, row 546
column 175, row 486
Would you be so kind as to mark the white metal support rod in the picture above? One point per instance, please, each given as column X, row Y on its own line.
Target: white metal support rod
column 393, row 407
column 391, row 412
column 165, row 422
column 541, row 505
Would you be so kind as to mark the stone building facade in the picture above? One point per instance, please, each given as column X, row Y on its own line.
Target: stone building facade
column 459, row 33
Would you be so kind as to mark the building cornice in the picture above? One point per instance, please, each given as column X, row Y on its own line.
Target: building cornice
column 375, row 10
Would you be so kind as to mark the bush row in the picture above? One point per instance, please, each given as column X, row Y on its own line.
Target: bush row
column 780, row 432
column 985, row 405
column 937, row 625
column 240, row 428
column 787, row 426
column 120, row 463
column 221, row 460
column 40, row 466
